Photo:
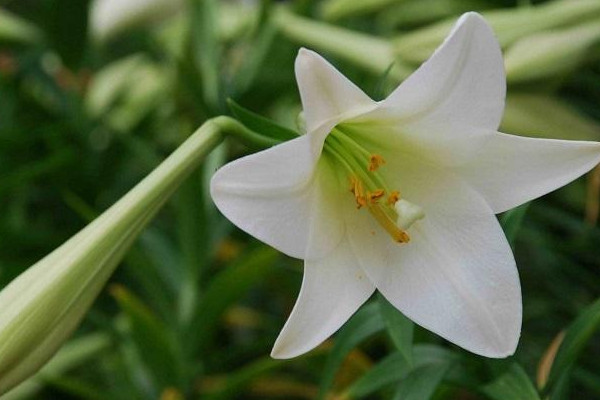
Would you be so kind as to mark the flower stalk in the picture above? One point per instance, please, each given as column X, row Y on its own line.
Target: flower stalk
column 42, row 307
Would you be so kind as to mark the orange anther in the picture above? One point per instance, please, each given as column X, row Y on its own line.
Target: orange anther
column 375, row 161
column 374, row 196
column 393, row 197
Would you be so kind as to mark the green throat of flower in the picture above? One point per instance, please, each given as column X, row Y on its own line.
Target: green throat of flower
column 368, row 187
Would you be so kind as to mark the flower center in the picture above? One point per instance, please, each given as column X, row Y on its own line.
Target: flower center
column 368, row 187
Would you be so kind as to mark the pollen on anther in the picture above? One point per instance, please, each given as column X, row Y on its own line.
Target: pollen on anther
column 393, row 197
column 375, row 161
column 357, row 190
column 374, row 196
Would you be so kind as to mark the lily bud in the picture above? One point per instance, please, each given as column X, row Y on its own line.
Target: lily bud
column 42, row 307
column 548, row 54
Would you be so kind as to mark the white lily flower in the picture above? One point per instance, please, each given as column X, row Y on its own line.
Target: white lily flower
column 400, row 196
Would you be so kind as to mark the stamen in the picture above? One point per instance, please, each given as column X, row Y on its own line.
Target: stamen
column 393, row 197
column 368, row 187
column 375, row 161
column 388, row 224
column 358, row 191
column 373, row 197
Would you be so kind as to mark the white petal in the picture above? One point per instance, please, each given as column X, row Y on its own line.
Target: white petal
column 511, row 170
column 462, row 84
column 283, row 196
column 327, row 95
column 332, row 290
column 444, row 111
column 457, row 276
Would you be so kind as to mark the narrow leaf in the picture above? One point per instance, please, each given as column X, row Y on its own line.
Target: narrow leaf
column 154, row 341
column 224, row 290
column 366, row 322
column 576, row 338
column 513, row 384
column 206, row 49
column 399, row 327
column 421, row 383
column 389, row 370
column 395, row 368
column 260, row 124
column 235, row 382
column 512, row 220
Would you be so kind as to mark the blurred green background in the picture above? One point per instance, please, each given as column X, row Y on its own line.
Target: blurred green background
column 93, row 95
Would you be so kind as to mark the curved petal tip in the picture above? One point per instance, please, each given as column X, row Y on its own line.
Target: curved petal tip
column 333, row 288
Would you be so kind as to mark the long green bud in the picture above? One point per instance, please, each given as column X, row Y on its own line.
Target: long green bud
column 42, row 307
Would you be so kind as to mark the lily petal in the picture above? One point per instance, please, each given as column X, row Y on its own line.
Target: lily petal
column 462, row 84
column 457, row 276
column 511, row 170
column 280, row 197
column 332, row 290
column 450, row 103
column 327, row 96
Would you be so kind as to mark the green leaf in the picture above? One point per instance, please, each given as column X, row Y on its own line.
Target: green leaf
column 193, row 233
column 422, row 382
column 381, row 89
column 206, row 49
column 154, row 340
column 399, row 327
column 366, row 322
column 225, row 289
column 513, row 384
column 576, row 338
column 260, row 124
column 512, row 220
column 389, row 370
column 235, row 381
column 258, row 49
column 395, row 368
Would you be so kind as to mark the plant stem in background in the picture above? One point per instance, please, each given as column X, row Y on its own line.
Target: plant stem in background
column 370, row 52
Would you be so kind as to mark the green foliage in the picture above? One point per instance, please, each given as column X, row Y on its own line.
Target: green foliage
column 260, row 124
column 513, row 384
column 577, row 338
column 399, row 327
column 365, row 323
column 421, row 383
column 511, row 222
